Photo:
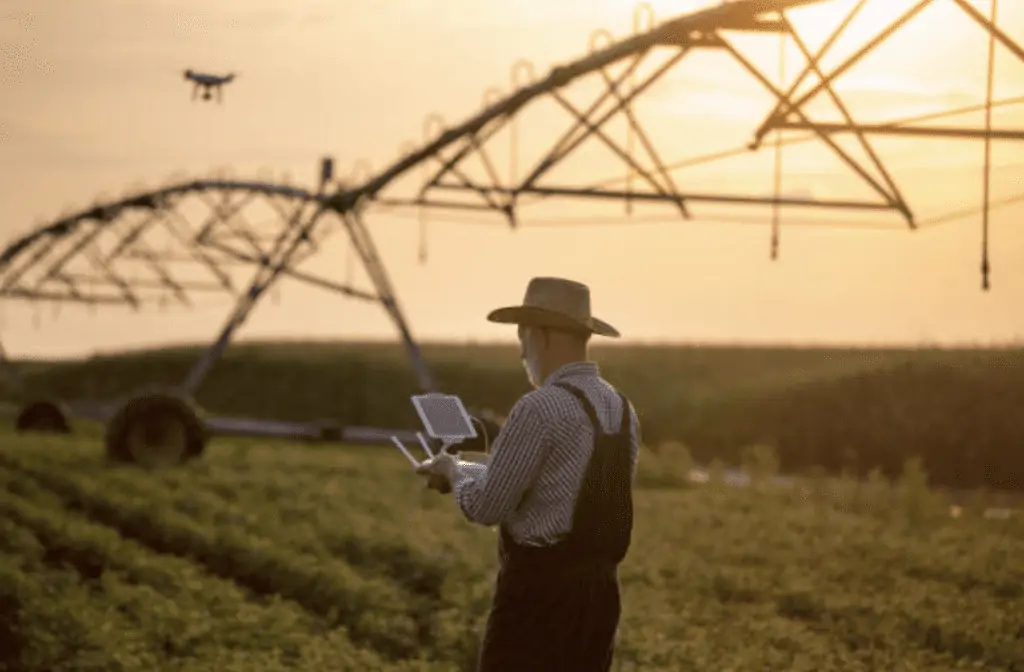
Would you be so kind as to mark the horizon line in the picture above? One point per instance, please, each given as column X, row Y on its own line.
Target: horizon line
column 719, row 344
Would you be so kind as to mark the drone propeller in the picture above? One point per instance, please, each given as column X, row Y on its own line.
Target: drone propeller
column 192, row 71
column 205, row 88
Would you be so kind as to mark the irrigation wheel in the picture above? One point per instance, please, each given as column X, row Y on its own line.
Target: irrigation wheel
column 42, row 416
column 156, row 429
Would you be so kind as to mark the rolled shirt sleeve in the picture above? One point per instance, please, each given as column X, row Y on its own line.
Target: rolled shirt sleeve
column 488, row 496
column 468, row 471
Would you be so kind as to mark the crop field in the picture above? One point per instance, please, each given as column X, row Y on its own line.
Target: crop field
column 957, row 410
column 271, row 556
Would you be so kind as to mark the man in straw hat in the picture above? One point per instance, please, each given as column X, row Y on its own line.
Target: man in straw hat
column 559, row 487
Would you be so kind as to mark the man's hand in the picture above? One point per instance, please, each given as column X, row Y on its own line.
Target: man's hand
column 440, row 472
column 439, row 483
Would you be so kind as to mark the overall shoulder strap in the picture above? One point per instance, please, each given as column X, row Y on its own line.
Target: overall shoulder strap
column 587, row 406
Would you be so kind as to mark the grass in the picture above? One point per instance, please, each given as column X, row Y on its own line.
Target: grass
column 271, row 556
column 836, row 409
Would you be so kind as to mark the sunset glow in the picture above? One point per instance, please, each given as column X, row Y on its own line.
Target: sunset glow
column 95, row 103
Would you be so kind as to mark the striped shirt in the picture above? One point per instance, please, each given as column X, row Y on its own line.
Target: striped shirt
column 538, row 461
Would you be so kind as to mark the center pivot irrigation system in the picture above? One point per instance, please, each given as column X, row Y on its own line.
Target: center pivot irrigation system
column 169, row 244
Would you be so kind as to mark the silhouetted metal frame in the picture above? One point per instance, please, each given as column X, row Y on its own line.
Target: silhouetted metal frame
column 701, row 30
column 222, row 239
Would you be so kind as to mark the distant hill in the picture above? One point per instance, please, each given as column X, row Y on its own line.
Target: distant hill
column 962, row 411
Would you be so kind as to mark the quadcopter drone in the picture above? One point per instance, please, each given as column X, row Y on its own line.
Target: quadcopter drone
column 208, row 82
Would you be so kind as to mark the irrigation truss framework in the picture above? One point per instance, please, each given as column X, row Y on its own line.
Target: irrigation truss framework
column 173, row 242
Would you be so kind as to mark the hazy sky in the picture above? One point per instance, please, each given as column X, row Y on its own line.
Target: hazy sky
column 93, row 102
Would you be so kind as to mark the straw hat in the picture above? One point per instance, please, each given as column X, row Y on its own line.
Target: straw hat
column 555, row 303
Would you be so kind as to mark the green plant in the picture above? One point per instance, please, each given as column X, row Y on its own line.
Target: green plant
column 308, row 558
column 760, row 462
column 918, row 503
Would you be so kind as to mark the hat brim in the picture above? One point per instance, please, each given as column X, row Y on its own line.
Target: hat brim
column 541, row 317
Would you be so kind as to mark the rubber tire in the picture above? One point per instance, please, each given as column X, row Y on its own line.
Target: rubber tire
column 143, row 410
column 42, row 416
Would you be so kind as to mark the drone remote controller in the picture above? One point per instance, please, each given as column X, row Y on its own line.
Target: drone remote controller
column 446, row 421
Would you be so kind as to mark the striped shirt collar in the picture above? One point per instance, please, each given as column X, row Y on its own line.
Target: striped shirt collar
column 570, row 370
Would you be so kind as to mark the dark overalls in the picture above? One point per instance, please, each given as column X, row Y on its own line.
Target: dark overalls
column 556, row 608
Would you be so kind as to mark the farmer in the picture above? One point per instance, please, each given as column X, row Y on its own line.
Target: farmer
column 559, row 487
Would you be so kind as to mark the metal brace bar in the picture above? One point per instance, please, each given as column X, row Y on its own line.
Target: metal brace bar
column 222, row 211
column 483, row 134
column 543, row 167
column 196, row 251
column 793, row 106
column 992, row 29
column 129, row 238
column 287, row 242
column 141, row 283
column 838, row 101
column 241, row 231
column 83, row 240
column 595, row 130
column 166, row 277
column 712, row 198
column 836, row 148
column 365, row 247
column 305, row 277
column 126, row 290
column 485, row 159
column 454, row 169
column 635, row 129
column 763, row 128
column 892, row 129
column 42, row 295
column 272, row 199
column 452, row 205
column 567, row 142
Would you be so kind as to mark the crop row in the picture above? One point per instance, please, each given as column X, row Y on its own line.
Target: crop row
column 369, row 520
column 729, row 577
column 49, row 621
column 79, row 596
column 846, row 575
column 367, row 510
column 376, row 613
